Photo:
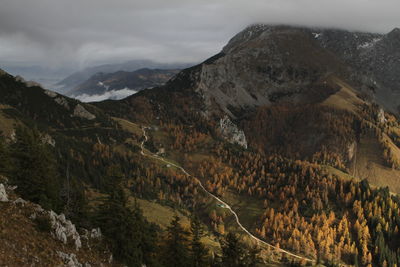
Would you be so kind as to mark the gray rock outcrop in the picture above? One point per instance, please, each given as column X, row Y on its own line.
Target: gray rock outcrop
column 64, row 229
column 50, row 93
column 62, row 102
column 3, row 194
column 69, row 260
column 232, row 133
column 81, row 112
column 27, row 83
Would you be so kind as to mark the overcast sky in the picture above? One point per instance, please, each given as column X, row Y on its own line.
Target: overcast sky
column 79, row 33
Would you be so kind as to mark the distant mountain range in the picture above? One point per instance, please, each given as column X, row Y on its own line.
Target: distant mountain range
column 77, row 78
column 119, row 84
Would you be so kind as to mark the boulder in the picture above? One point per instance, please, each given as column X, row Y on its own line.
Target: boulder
column 3, row 194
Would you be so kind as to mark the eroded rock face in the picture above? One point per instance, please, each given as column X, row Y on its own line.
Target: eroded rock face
column 352, row 150
column 20, row 202
column 95, row 233
column 69, row 260
column 62, row 102
column 232, row 133
column 263, row 65
column 50, row 93
column 47, row 139
column 3, row 194
column 81, row 112
column 27, row 83
column 381, row 116
column 64, row 229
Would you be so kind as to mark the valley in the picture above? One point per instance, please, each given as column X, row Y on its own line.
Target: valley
column 281, row 150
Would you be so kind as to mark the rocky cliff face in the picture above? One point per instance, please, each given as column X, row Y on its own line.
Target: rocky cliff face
column 266, row 64
column 263, row 65
column 277, row 66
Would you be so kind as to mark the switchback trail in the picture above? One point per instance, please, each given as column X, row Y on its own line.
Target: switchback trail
column 225, row 205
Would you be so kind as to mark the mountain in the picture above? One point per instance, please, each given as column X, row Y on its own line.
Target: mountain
column 269, row 64
column 79, row 77
column 286, row 82
column 120, row 84
column 308, row 112
column 287, row 140
column 374, row 59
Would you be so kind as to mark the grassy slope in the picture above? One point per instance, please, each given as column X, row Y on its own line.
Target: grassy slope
column 346, row 98
column 368, row 162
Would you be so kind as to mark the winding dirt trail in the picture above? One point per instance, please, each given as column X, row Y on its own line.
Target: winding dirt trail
column 225, row 205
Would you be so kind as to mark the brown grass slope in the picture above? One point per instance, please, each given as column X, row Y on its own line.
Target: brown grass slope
column 23, row 244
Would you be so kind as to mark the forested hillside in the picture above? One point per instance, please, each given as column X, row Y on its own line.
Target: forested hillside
column 241, row 160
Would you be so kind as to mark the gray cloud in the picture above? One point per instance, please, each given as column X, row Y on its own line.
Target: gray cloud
column 56, row 33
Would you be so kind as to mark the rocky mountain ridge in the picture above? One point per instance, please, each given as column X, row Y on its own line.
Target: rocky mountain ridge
column 264, row 64
column 79, row 77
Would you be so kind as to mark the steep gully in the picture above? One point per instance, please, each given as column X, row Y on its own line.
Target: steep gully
column 224, row 204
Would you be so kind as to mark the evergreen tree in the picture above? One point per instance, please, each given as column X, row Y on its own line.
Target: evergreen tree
column 76, row 206
column 131, row 237
column 119, row 227
column 4, row 157
column 233, row 252
column 34, row 170
column 199, row 252
column 176, row 252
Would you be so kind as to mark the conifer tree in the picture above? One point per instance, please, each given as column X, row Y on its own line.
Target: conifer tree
column 233, row 252
column 252, row 256
column 198, row 251
column 4, row 157
column 176, row 252
column 127, row 231
column 34, row 170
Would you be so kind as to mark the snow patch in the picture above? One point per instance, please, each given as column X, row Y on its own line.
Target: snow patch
column 103, row 85
column 316, row 35
column 369, row 44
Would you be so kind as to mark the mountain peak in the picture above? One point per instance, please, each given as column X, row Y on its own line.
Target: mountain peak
column 262, row 31
column 395, row 33
column 393, row 39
